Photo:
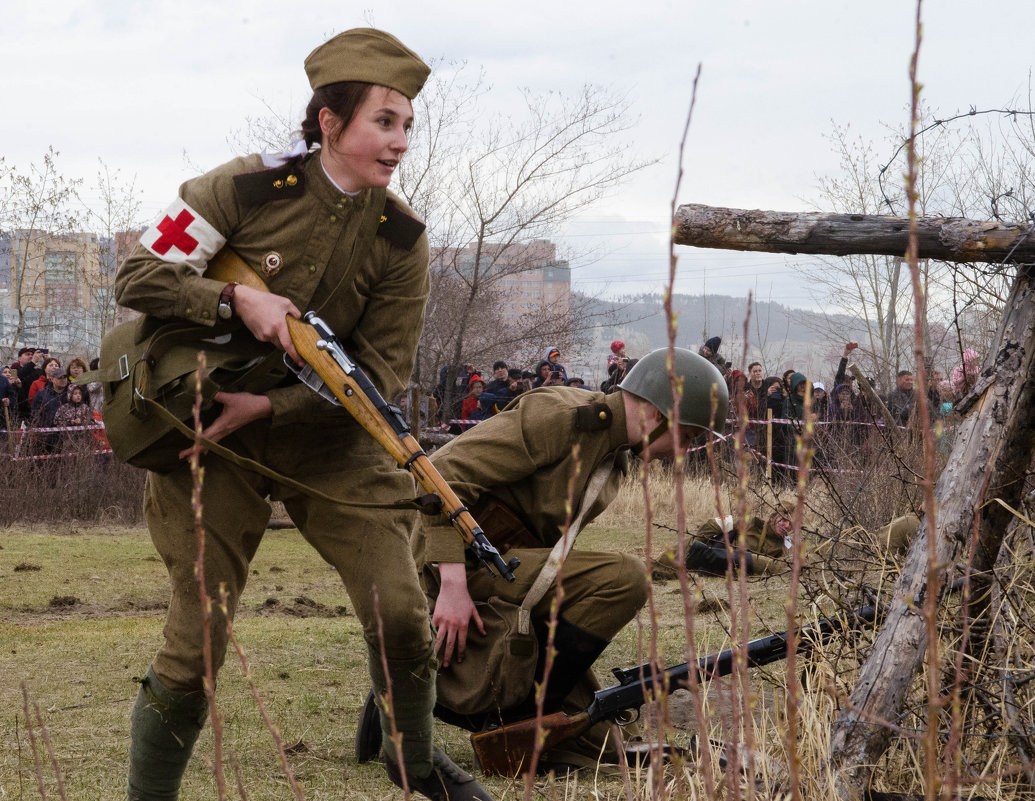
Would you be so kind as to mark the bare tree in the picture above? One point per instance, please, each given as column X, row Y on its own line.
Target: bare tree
column 964, row 170
column 39, row 220
column 115, row 217
column 493, row 190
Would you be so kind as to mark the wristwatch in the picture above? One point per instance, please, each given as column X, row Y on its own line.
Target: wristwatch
column 225, row 309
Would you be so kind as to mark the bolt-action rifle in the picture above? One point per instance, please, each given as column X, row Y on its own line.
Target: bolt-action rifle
column 503, row 750
column 330, row 372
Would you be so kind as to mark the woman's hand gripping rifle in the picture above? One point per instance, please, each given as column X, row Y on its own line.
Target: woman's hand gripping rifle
column 330, row 372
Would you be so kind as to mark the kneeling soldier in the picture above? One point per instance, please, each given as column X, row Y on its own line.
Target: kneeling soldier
column 516, row 471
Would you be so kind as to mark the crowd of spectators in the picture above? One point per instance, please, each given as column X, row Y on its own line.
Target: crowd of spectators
column 848, row 418
column 474, row 398
column 37, row 392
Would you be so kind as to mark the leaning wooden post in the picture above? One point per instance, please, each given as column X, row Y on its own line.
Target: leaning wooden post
column 992, row 448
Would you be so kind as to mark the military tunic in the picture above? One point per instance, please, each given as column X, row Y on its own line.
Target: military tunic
column 375, row 304
column 529, row 457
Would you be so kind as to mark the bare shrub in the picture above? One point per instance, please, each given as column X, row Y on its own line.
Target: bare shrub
column 73, row 483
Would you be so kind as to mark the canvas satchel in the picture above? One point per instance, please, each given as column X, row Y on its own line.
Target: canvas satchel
column 148, row 374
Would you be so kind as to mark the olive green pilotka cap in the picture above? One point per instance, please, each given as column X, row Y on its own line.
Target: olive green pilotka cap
column 369, row 56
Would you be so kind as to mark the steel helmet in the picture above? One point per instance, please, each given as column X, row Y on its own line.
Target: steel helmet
column 648, row 380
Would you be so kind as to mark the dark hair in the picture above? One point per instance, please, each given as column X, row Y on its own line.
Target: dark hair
column 499, row 365
column 904, row 372
column 753, row 364
column 343, row 99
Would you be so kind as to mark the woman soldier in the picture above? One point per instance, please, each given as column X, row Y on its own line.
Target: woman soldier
column 306, row 222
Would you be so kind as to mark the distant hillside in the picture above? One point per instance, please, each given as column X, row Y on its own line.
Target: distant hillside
column 778, row 336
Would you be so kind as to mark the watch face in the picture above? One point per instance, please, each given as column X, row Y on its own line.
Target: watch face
column 224, row 311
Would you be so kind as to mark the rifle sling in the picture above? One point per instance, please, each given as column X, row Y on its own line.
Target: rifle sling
column 563, row 546
column 257, row 467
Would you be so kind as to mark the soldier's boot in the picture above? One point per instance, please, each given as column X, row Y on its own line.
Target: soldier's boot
column 577, row 650
column 445, row 782
column 164, row 726
column 428, row 770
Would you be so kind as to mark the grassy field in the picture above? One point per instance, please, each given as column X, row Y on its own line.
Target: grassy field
column 82, row 612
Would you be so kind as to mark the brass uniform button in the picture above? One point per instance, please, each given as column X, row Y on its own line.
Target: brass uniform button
column 292, row 180
column 278, row 184
column 334, row 218
column 603, row 415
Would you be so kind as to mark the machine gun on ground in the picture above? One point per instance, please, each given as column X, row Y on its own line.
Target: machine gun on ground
column 504, row 750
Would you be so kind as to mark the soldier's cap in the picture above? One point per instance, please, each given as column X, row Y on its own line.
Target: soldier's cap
column 369, row 56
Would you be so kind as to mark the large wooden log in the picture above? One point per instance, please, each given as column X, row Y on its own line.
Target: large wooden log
column 992, row 449
column 945, row 238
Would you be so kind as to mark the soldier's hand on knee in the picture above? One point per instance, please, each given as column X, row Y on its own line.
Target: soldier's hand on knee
column 454, row 611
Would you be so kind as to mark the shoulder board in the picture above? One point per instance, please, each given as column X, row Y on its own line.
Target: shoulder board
column 279, row 183
column 593, row 417
column 398, row 227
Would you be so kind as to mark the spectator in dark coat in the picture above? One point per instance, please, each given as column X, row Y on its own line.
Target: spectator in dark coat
column 8, row 400
column 546, row 375
column 500, row 378
column 710, row 351
column 553, row 356
column 902, row 399
column 494, row 402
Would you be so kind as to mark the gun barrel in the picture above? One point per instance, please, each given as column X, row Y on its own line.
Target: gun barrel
column 633, row 683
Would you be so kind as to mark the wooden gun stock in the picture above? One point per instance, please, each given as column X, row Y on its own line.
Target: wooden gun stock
column 506, row 750
column 361, row 399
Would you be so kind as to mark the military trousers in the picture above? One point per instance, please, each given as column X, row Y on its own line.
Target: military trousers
column 370, row 548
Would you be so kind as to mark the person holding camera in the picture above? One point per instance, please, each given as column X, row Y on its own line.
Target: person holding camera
column 553, row 356
column 546, row 375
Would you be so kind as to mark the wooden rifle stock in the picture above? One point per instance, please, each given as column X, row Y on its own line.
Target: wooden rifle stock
column 354, row 390
column 506, row 750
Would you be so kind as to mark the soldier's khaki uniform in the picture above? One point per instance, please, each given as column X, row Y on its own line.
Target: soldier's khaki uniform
column 542, row 448
column 758, row 537
column 376, row 309
column 529, row 457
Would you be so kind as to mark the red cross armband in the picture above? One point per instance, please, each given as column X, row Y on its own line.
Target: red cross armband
column 183, row 235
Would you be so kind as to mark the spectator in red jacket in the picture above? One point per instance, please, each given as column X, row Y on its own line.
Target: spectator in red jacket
column 471, row 409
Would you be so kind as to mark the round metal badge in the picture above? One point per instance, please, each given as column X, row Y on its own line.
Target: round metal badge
column 271, row 263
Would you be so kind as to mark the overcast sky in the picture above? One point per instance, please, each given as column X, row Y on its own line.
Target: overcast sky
column 141, row 84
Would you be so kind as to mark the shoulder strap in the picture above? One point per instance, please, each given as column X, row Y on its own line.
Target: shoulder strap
column 261, row 469
column 563, row 546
